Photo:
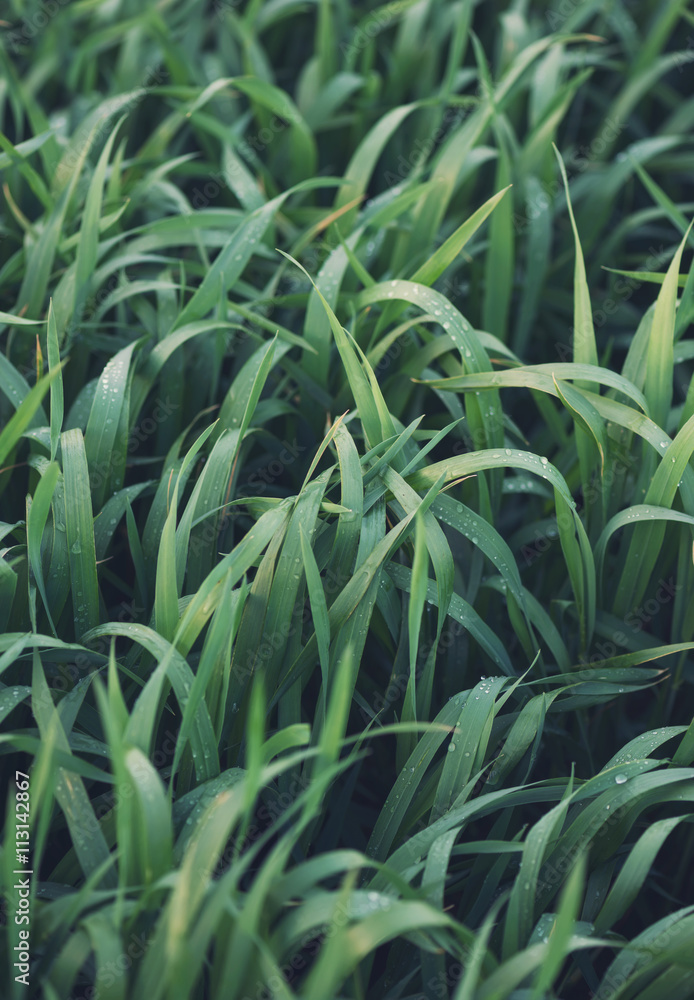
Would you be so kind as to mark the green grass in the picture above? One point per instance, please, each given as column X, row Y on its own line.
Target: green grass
column 346, row 581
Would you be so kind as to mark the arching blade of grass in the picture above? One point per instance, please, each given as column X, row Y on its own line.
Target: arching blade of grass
column 603, row 823
column 266, row 95
column 462, row 612
column 634, row 873
column 236, row 412
column 446, row 254
column 645, row 957
column 577, row 551
column 542, row 377
column 639, row 85
column 525, row 732
column 583, row 341
column 202, row 854
column 635, row 514
column 112, row 513
column 644, row 655
column 588, row 422
column 457, row 147
column 584, row 347
column 486, row 424
column 144, row 379
column 646, row 542
column 12, row 320
column 348, row 947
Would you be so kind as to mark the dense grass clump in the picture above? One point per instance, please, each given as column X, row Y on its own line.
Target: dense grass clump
column 347, row 502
